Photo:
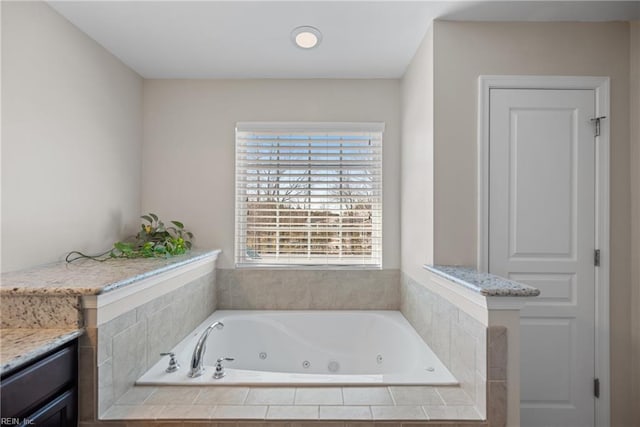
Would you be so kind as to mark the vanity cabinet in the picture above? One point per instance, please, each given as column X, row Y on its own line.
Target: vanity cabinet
column 44, row 392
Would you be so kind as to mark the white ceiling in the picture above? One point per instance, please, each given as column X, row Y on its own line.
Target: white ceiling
column 251, row 39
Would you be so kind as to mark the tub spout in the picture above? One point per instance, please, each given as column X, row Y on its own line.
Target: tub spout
column 198, row 352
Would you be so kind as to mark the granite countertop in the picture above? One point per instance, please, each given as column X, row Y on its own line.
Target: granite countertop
column 483, row 283
column 20, row 346
column 88, row 277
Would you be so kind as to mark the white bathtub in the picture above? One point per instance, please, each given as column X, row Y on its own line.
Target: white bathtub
column 308, row 348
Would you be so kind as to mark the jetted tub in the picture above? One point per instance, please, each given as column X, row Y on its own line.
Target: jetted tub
column 308, row 348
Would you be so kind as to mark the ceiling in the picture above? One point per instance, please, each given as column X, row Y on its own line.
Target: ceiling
column 251, row 39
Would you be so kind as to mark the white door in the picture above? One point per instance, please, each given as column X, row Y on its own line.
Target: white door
column 542, row 232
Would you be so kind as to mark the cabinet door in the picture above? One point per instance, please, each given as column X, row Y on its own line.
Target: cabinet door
column 61, row 412
column 26, row 390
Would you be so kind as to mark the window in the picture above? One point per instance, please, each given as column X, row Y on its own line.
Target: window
column 309, row 194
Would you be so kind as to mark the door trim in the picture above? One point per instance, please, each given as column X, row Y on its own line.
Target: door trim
column 601, row 87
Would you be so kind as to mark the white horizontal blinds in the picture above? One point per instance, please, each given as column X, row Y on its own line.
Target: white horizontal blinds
column 309, row 196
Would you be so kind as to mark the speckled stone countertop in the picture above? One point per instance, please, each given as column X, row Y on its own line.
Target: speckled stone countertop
column 20, row 346
column 483, row 283
column 87, row 277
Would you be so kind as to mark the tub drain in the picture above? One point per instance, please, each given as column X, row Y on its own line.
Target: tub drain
column 306, row 364
column 379, row 359
column 333, row 366
column 262, row 355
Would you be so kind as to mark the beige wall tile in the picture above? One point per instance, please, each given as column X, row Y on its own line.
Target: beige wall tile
column 398, row 413
column 318, row 424
column 107, row 331
column 240, row 411
column 452, row 413
column 89, row 338
column 222, row 396
column 185, row 412
column 135, row 395
column 455, row 396
column 318, row 396
column 416, row 396
column 173, row 396
column 243, row 423
column 360, row 424
column 271, row 396
column 308, row 289
column 481, row 396
column 160, row 337
column 285, row 412
column 463, row 358
column 387, row 424
column 345, row 413
column 155, row 305
column 129, row 356
column 132, row 412
column 482, row 353
column 87, row 384
column 106, row 390
column 497, row 404
column 366, row 396
column 497, row 349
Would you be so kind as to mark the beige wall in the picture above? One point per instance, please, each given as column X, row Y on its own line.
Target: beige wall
column 462, row 52
column 417, row 162
column 635, row 215
column 188, row 150
column 71, row 138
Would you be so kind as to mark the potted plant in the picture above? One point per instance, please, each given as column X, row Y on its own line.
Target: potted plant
column 155, row 239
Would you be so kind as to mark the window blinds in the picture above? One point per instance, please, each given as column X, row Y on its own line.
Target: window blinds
column 309, row 194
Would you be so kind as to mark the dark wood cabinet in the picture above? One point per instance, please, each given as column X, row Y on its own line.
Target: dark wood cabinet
column 44, row 392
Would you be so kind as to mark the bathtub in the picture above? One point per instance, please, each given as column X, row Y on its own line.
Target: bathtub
column 308, row 348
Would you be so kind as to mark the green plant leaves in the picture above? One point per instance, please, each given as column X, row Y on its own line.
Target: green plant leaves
column 155, row 240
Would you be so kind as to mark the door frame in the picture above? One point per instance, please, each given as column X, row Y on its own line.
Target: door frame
column 601, row 87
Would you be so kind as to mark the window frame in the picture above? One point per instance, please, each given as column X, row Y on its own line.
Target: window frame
column 310, row 128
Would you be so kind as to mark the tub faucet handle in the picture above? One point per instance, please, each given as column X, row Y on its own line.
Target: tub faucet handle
column 219, row 373
column 173, row 362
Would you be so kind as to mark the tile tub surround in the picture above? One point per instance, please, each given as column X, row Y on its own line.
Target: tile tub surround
column 483, row 283
column 147, row 306
column 284, row 289
column 20, row 346
column 118, row 352
column 112, row 354
column 459, row 340
column 157, row 405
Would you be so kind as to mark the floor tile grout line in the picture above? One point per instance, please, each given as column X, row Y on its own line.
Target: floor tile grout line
column 195, row 399
column 393, row 398
column 444, row 402
column 425, row 412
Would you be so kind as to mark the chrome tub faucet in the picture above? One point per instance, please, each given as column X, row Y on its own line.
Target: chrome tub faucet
column 196, row 368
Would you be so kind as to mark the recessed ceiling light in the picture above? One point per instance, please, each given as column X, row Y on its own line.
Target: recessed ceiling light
column 306, row 37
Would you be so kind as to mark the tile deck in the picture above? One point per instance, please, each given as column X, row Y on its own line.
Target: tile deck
column 255, row 404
